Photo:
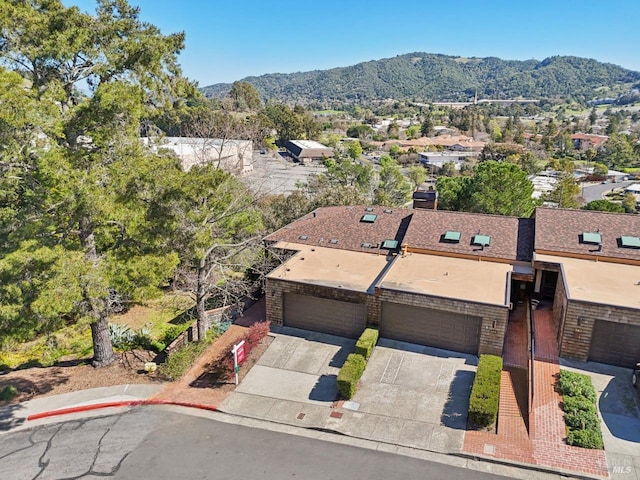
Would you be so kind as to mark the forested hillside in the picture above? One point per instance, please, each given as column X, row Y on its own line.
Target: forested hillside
column 432, row 77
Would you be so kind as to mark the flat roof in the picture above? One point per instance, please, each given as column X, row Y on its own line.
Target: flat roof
column 599, row 282
column 329, row 267
column 457, row 278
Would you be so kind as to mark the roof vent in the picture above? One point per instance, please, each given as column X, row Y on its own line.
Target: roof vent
column 630, row 242
column 388, row 210
column 368, row 209
column 591, row 238
column 303, row 237
column 369, row 218
column 366, row 245
column 333, row 241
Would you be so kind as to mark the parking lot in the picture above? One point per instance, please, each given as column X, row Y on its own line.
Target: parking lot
column 275, row 174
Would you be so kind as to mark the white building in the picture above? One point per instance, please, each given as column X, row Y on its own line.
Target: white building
column 231, row 155
column 438, row 159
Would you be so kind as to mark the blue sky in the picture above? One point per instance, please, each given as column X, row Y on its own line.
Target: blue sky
column 227, row 40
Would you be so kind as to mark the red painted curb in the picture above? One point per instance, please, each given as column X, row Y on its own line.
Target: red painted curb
column 120, row 404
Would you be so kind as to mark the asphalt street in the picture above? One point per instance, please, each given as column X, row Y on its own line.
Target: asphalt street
column 597, row 191
column 158, row 443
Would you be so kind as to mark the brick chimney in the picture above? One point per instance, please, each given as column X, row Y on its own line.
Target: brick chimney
column 427, row 199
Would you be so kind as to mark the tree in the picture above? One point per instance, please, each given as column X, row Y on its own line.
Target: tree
column 449, row 192
column 499, row 189
column 93, row 180
column 565, row 194
column 245, row 97
column 360, row 131
column 216, row 225
column 344, row 183
column 604, row 206
column 393, row 189
column 354, row 150
column 395, row 151
column 618, row 152
column 629, row 203
column 417, row 175
column 426, row 129
column 412, row 131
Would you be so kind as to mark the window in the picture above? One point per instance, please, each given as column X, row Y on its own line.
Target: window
column 482, row 240
column 389, row 244
column 593, row 238
column 451, row 236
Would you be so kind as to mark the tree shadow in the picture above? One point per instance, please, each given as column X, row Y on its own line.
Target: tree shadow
column 456, row 408
column 9, row 417
column 325, row 389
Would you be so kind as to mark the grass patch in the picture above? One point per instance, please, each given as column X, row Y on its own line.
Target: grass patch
column 74, row 341
column 580, row 412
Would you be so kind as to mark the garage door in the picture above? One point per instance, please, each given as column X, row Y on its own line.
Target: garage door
column 324, row 315
column 435, row 328
column 615, row 343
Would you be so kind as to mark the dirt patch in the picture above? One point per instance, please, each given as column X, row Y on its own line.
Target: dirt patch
column 73, row 375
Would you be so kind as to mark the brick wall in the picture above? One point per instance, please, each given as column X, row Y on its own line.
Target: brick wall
column 579, row 320
column 494, row 317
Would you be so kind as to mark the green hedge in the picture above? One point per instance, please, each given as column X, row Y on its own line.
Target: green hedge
column 366, row 342
column 349, row 375
column 485, row 394
column 580, row 412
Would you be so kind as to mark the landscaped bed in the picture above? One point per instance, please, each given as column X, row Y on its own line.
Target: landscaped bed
column 580, row 413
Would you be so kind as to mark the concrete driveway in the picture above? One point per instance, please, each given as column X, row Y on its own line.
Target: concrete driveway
column 619, row 406
column 409, row 395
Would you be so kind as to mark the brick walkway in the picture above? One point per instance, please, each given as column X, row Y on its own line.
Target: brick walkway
column 544, row 443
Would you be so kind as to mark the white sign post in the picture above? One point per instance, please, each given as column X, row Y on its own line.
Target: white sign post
column 238, row 358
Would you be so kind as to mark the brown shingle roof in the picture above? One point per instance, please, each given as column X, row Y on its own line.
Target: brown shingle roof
column 344, row 225
column 428, row 227
column 559, row 231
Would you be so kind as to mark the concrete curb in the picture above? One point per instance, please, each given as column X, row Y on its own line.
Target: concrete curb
column 119, row 404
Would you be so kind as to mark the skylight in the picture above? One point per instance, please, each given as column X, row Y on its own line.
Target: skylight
column 369, row 218
column 630, row 242
column 482, row 240
column 389, row 244
column 452, row 236
column 594, row 238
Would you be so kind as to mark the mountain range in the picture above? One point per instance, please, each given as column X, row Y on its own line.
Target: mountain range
column 435, row 77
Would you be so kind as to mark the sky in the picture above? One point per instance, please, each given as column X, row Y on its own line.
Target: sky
column 228, row 40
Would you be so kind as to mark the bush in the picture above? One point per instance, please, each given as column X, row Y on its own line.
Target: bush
column 252, row 339
column 576, row 385
column 179, row 361
column 485, row 394
column 586, row 438
column 366, row 342
column 8, row 392
column 579, row 405
column 349, row 375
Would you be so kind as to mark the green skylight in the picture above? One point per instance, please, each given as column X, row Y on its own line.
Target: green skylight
column 369, row 218
column 594, row 238
column 630, row 242
column 452, row 236
column 390, row 244
column 483, row 240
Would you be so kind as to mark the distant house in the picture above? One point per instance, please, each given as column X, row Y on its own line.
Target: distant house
column 306, row 151
column 231, row 155
column 585, row 141
column 438, row 159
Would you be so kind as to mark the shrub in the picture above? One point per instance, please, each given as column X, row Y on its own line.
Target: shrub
column 8, row 392
column 179, row 361
column 581, row 415
column 585, row 438
column 171, row 333
column 252, row 339
column 121, row 336
column 576, row 385
column 349, row 375
column 485, row 394
column 366, row 342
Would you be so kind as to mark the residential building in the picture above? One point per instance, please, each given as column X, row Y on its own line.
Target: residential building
column 438, row 159
column 450, row 279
